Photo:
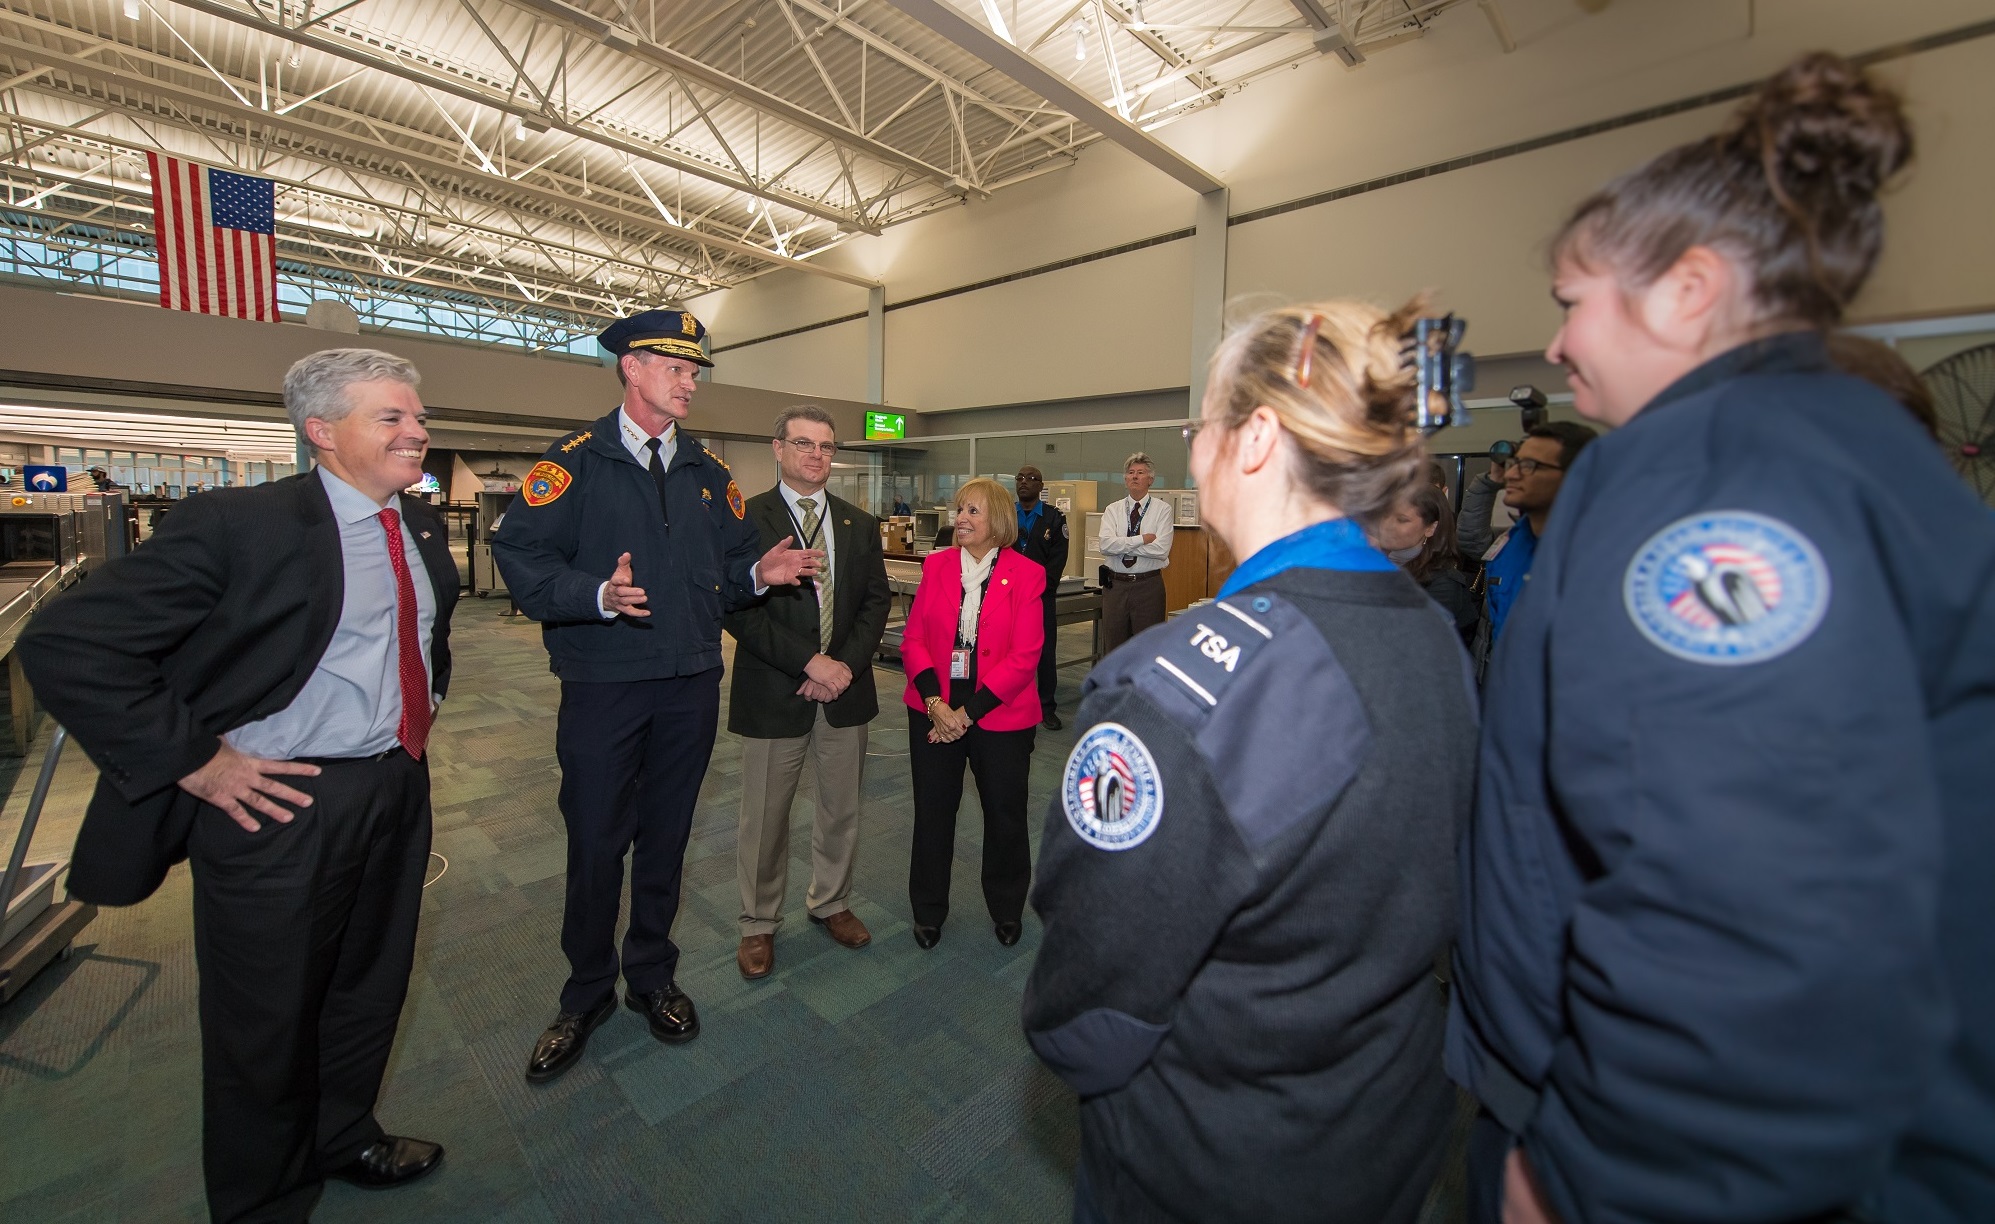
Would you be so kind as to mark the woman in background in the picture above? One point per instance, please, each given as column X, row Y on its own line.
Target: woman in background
column 1419, row 535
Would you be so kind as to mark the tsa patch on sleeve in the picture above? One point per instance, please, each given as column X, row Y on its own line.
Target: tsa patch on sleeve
column 1727, row 588
column 544, row 483
column 1112, row 791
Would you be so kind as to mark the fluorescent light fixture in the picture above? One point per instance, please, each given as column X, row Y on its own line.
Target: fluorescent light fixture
column 131, row 10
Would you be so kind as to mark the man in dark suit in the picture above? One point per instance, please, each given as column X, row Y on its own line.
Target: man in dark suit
column 1042, row 537
column 256, row 685
column 803, row 687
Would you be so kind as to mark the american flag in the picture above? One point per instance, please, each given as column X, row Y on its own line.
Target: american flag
column 217, row 239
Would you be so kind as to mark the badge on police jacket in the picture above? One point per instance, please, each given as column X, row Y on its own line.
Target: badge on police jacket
column 544, row 483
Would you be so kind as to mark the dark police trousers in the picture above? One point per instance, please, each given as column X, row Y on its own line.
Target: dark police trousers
column 1049, row 660
column 1000, row 760
column 304, row 934
column 632, row 756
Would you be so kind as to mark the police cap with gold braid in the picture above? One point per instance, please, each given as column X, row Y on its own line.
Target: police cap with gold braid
column 671, row 333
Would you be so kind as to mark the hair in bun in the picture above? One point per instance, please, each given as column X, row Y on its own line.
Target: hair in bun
column 1336, row 375
column 1789, row 190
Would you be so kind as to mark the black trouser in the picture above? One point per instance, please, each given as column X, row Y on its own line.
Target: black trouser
column 1130, row 605
column 632, row 756
column 1000, row 760
column 304, row 933
column 1049, row 658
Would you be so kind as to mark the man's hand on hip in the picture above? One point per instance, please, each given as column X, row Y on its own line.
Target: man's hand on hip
column 830, row 673
column 236, row 783
column 621, row 595
column 786, row 566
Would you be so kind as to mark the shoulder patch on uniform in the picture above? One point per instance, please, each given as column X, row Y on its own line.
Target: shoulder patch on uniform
column 1112, row 791
column 1727, row 588
column 1213, row 642
column 547, row 481
column 734, row 501
column 577, row 440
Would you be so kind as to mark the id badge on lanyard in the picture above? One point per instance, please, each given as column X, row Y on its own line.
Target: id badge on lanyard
column 959, row 664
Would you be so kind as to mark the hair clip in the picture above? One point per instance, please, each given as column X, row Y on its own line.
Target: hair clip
column 1306, row 354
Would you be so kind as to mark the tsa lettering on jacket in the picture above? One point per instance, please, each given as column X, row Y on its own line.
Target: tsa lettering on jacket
column 1727, row 587
column 1214, row 647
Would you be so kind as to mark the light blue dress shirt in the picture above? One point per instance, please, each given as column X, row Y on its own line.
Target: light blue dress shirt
column 352, row 705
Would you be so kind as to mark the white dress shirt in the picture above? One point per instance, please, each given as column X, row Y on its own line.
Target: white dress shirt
column 352, row 704
column 1158, row 519
column 824, row 532
column 638, row 443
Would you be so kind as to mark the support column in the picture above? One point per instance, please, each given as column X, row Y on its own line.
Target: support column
column 1208, row 289
column 876, row 345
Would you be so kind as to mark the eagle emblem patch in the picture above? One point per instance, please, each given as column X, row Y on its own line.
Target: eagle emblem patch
column 547, row 481
column 1111, row 790
column 1727, row 588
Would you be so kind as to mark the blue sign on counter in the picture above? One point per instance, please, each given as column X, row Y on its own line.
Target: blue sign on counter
column 45, row 479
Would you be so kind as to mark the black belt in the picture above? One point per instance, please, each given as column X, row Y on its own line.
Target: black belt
column 1136, row 577
column 383, row 755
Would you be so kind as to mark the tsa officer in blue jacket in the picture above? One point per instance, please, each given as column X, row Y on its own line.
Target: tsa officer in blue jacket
column 1727, row 913
column 628, row 542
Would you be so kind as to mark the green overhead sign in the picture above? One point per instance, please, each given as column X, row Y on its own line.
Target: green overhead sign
column 885, row 425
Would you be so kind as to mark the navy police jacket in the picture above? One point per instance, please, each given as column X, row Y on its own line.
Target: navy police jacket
column 1729, row 891
column 1246, row 880
column 587, row 502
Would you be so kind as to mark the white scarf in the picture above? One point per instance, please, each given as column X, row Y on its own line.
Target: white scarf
column 975, row 574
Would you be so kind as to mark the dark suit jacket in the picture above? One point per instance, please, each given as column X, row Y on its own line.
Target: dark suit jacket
column 777, row 634
column 216, row 621
column 1047, row 544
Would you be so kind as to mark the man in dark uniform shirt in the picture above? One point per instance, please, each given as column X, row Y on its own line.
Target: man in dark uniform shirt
column 627, row 543
column 1042, row 537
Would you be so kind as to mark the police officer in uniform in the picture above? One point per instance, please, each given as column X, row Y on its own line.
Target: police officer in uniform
column 1248, row 874
column 1042, row 537
column 627, row 543
column 1728, row 916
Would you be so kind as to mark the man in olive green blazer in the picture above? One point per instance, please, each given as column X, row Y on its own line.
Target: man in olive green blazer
column 803, row 688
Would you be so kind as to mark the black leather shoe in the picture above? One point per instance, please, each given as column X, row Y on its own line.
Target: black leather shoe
column 669, row 1011
column 389, row 1161
column 927, row 937
column 1008, row 933
column 1052, row 721
column 564, row 1041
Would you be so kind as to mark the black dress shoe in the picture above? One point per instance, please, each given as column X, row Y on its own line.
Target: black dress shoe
column 1052, row 721
column 927, row 936
column 565, row 1039
column 1008, row 933
column 389, row 1161
column 669, row 1011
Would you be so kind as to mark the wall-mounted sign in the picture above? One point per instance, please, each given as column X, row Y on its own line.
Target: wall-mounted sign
column 885, row 425
column 45, row 479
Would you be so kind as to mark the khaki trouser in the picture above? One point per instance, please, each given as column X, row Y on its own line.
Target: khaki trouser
column 770, row 771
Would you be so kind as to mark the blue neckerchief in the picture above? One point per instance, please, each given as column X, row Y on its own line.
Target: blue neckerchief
column 1025, row 520
column 1338, row 544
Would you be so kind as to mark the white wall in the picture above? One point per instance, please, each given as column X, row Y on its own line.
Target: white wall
column 1476, row 235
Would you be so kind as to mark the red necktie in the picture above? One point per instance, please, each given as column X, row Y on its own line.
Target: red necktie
column 414, row 728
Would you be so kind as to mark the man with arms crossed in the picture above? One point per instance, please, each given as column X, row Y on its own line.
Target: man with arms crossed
column 1136, row 538
column 256, row 685
column 803, row 687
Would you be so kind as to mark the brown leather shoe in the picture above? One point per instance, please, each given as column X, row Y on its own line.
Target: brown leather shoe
column 756, row 956
column 845, row 927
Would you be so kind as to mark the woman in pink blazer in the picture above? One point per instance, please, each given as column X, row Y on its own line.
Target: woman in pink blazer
column 971, row 653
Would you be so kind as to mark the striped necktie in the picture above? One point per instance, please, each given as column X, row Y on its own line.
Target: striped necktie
column 826, row 605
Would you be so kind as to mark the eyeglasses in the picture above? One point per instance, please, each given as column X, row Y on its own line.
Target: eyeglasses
column 807, row 447
column 1191, row 431
column 1527, row 467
